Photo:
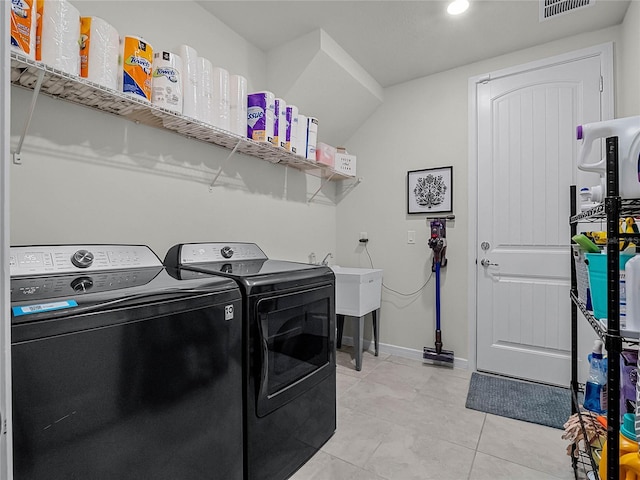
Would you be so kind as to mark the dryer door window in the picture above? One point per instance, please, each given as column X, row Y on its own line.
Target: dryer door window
column 298, row 342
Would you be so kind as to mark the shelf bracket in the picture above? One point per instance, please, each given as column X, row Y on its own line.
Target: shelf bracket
column 17, row 159
column 322, row 184
column 233, row 152
column 353, row 185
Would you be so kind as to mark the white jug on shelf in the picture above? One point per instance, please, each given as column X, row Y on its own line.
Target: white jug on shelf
column 628, row 132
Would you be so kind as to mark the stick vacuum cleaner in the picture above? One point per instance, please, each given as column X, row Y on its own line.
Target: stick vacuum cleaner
column 438, row 243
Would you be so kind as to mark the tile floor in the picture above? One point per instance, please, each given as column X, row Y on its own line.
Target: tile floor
column 401, row 420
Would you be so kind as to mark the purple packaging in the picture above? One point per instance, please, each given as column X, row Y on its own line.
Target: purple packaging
column 280, row 123
column 292, row 129
column 260, row 116
column 628, row 378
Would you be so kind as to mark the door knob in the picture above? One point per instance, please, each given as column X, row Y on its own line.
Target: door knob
column 487, row 263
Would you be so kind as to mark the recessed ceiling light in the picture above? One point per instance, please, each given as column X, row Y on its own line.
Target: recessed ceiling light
column 457, row 7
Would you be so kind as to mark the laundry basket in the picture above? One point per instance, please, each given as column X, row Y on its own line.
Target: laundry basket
column 582, row 274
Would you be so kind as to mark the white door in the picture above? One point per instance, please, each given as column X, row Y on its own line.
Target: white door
column 526, row 163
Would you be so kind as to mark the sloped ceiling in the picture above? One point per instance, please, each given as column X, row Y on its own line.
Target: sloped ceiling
column 315, row 74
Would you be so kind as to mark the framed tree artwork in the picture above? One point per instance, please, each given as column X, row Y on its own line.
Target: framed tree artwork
column 430, row 190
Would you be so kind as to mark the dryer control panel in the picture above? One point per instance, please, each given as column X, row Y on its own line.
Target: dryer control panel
column 219, row 252
column 59, row 259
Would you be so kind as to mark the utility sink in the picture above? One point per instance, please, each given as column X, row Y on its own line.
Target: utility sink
column 358, row 290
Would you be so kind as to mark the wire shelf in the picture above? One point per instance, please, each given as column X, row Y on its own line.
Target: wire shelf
column 59, row 84
column 629, row 207
column 630, row 337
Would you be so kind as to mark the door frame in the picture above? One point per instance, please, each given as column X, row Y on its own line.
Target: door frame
column 6, row 458
column 605, row 53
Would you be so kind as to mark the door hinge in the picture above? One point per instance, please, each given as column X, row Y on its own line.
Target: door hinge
column 601, row 84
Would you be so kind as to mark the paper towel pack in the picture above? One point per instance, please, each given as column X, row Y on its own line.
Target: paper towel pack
column 166, row 86
column 204, row 90
column 238, row 104
column 301, row 136
column 57, row 35
column 135, row 65
column 189, row 57
column 99, row 50
column 220, row 102
column 23, row 27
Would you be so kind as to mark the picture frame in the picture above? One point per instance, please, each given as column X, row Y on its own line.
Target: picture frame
column 430, row 190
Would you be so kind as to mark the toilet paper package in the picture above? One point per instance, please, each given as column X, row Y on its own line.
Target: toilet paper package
column 166, row 81
column 312, row 138
column 260, row 116
column 301, row 136
column 134, row 72
column 189, row 57
column 238, row 104
column 220, row 102
column 204, row 91
column 99, row 50
column 23, row 27
column 57, row 35
column 292, row 129
column 280, row 123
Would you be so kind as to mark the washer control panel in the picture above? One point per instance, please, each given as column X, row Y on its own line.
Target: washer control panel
column 47, row 260
column 30, row 289
column 219, row 252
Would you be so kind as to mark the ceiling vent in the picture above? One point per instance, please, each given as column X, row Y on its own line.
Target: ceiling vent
column 553, row 8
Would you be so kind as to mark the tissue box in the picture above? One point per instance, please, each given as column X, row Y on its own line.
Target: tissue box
column 345, row 164
column 325, row 154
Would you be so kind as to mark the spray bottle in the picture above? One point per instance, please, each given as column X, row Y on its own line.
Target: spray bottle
column 594, row 394
column 628, row 132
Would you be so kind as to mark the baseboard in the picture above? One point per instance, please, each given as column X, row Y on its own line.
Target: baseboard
column 411, row 353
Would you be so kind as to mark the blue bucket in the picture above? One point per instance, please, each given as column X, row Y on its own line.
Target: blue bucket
column 597, row 264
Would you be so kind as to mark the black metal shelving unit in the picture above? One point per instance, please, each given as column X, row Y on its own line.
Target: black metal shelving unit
column 613, row 208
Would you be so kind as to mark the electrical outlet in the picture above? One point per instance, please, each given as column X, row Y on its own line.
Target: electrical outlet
column 363, row 236
column 411, row 237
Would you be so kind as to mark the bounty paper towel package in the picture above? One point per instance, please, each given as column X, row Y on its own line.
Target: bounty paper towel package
column 220, row 100
column 166, row 81
column 204, row 90
column 301, row 136
column 260, row 116
column 134, row 72
column 291, row 140
column 312, row 138
column 238, row 104
column 23, row 27
column 57, row 35
column 189, row 57
column 280, row 123
column 99, row 50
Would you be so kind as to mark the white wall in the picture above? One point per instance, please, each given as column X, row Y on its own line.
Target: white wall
column 630, row 63
column 89, row 177
column 423, row 124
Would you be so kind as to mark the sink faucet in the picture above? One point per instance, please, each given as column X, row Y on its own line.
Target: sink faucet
column 324, row 260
